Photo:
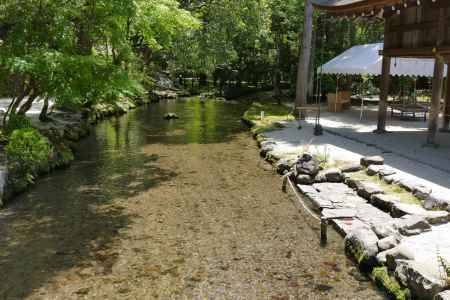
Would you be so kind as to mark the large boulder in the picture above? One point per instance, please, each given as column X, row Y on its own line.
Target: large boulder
column 417, row 277
column 308, row 165
column 361, row 243
column 391, row 256
column 372, row 160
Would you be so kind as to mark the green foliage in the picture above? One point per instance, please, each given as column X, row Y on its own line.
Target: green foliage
column 17, row 122
column 28, row 155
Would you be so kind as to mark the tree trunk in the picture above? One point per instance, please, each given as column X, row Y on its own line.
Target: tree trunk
column 43, row 115
column 27, row 105
column 305, row 57
column 384, row 94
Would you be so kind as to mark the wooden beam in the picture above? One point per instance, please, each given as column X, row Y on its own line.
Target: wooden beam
column 427, row 52
column 438, row 79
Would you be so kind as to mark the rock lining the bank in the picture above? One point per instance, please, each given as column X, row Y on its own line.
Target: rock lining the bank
column 378, row 227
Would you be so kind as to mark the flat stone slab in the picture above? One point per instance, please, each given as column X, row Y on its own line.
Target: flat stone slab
column 333, row 188
column 307, row 189
column 344, row 226
column 319, row 202
column 437, row 200
column 372, row 216
column 338, row 213
column 433, row 217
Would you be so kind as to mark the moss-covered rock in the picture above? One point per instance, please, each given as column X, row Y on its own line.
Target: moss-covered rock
column 389, row 284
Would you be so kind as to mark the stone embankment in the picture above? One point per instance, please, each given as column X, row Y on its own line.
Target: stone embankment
column 395, row 229
column 64, row 129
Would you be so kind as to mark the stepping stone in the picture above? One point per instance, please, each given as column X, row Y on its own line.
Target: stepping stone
column 351, row 167
column 372, row 216
column 372, row 160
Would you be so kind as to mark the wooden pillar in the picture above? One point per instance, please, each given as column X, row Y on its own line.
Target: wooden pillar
column 446, row 125
column 384, row 93
column 438, row 79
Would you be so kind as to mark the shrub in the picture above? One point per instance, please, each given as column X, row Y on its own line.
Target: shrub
column 17, row 122
column 28, row 155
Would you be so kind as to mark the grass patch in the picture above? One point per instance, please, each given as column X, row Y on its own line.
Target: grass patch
column 404, row 196
column 273, row 113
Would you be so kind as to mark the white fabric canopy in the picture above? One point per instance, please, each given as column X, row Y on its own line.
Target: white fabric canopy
column 366, row 60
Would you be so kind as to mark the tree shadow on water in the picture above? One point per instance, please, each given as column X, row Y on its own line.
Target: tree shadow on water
column 71, row 219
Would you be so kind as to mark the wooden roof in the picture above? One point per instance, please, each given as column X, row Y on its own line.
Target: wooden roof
column 352, row 6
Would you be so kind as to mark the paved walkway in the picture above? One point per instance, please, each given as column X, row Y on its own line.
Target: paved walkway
column 348, row 138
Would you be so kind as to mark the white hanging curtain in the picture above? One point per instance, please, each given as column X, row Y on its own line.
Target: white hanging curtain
column 366, row 60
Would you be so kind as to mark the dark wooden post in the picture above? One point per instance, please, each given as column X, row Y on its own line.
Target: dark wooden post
column 438, row 79
column 446, row 125
column 323, row 232
column 384, row 93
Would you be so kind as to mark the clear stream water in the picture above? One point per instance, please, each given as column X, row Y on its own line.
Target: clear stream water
column 157, row 209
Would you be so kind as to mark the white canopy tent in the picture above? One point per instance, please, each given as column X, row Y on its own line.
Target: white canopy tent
column 366, row 60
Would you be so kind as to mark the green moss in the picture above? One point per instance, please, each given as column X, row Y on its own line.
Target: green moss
column 355, row 252
column 273, row 113
column 381, row 277
column 392, row 189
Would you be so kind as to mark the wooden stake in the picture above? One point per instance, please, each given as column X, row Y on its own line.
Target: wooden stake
column 323, row 231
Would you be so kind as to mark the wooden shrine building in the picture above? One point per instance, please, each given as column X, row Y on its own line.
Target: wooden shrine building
column 412, row 28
